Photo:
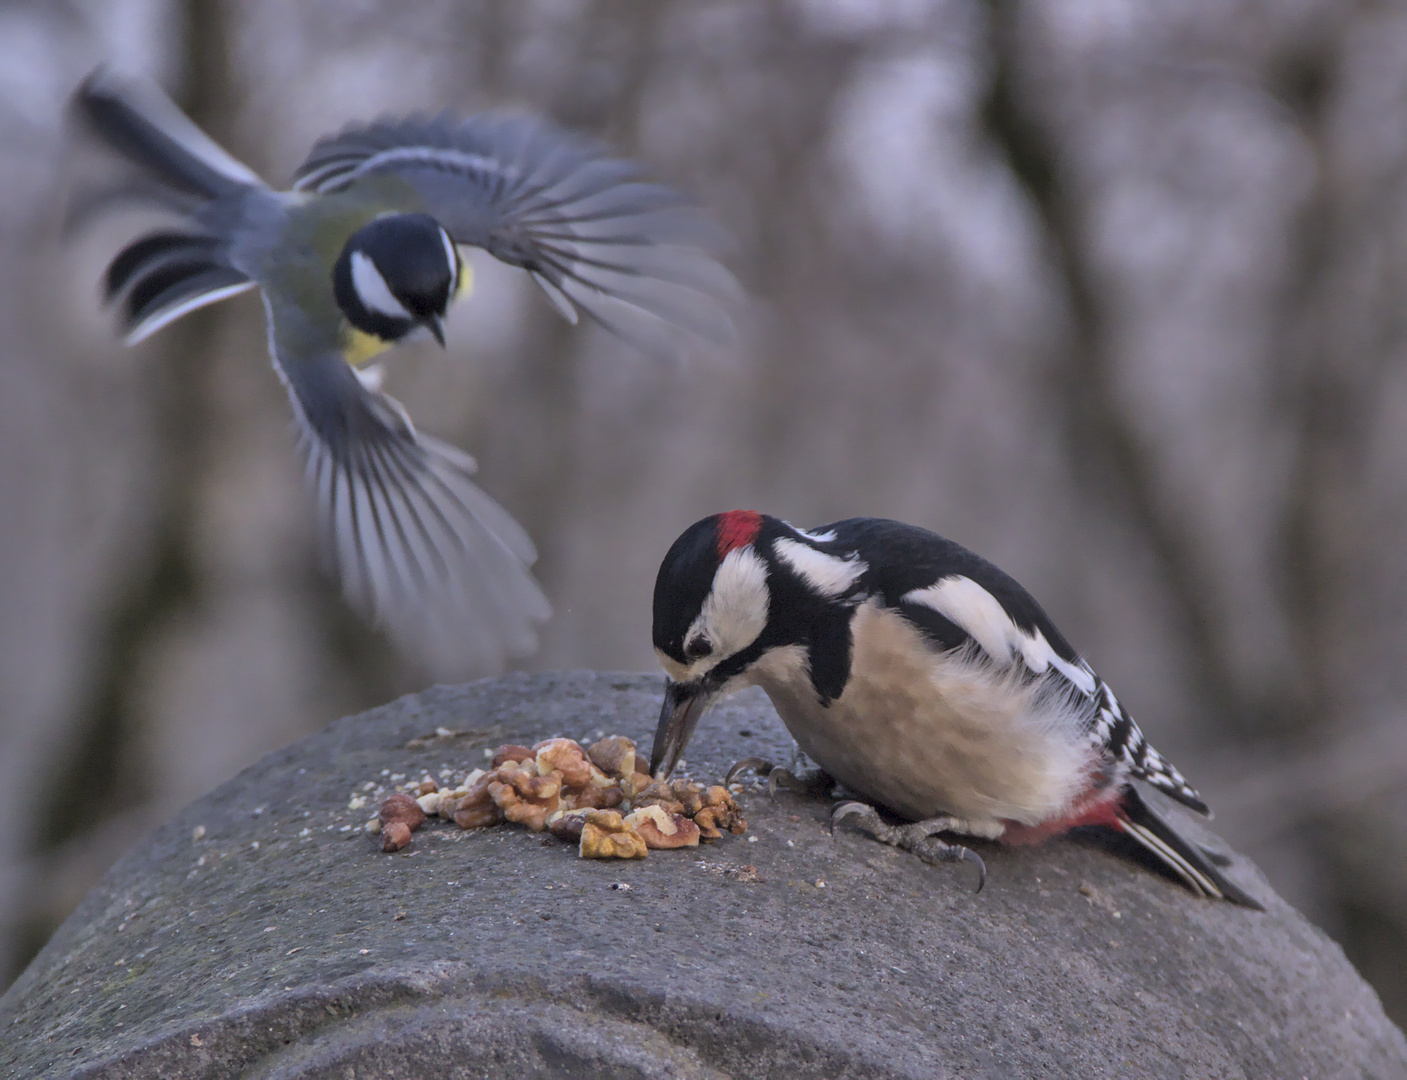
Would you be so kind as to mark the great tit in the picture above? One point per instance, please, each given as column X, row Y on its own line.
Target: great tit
column 361, row 254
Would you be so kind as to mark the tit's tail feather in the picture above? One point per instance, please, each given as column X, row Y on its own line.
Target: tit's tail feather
column 140, row 122
column 163, row 275
column 1184, row 858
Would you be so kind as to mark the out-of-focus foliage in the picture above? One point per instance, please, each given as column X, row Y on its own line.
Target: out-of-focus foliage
column 1108, row 291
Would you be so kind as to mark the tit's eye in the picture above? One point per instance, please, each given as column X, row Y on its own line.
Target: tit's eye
column 698, row 648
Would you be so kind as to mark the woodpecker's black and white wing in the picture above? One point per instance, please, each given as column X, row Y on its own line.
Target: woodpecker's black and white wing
column 634, row 256
column 961, row 601
column 418, row 547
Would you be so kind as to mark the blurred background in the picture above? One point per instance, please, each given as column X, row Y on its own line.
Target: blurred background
column 1110, row 292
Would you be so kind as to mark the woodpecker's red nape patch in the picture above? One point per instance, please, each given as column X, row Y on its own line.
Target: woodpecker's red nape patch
column 737, row 528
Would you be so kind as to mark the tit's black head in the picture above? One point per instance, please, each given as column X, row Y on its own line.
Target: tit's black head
column 396, row 274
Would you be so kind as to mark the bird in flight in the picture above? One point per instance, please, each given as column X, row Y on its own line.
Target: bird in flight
column 364, row 252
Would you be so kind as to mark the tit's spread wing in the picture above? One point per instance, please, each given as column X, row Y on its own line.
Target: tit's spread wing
column 417, row 545
column 634, row 256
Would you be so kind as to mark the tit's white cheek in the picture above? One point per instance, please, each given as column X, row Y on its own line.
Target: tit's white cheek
column 372, row 288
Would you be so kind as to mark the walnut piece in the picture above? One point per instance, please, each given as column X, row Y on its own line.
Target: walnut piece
column 632, row 785
column 564, row 756
column 720, row 812
column 661, row 829
column 688, row 794
column 400, row 815
column 394, row 835
column 519, row 794
column 657, row 793
column 430, row 802
column 401, row 807
column 472, row 807
column 478, row 817
column 510, row 752
column 605, row 835
column 527, row 781
column 449, row 802
column 614, row 755
column 592, row 797
column 567, row 824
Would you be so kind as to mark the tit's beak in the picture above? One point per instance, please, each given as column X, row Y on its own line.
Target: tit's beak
column 436, row 326
column 684, row 703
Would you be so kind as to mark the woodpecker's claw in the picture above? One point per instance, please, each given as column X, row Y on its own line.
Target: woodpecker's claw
column 968, row 855
column 775, row 774
column 785, row 777
column 757, row 764
column 916, row 838
column 843, row 810
column 813, row 782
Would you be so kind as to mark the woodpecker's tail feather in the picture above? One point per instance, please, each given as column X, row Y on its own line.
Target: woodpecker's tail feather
column 1181, row 856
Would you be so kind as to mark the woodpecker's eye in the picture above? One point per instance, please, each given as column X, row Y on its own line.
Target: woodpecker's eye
column 698, row 648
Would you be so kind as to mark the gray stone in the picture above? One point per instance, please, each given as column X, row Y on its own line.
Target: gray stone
column 264, row 934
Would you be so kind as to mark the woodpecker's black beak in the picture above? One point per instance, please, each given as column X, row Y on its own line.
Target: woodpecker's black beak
column 684, row 703
column 436, row 326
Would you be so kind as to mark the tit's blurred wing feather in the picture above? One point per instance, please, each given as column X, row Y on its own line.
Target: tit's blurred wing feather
column 417, row 545
column 634, row 256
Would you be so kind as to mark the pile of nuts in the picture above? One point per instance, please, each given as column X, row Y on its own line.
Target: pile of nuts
column 595, row 797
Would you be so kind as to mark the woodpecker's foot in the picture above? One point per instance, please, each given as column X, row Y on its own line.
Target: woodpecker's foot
column 814, row 783
column 916, row 838
column 756, row 764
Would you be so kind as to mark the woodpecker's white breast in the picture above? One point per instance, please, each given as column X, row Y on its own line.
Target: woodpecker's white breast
column 927, row 733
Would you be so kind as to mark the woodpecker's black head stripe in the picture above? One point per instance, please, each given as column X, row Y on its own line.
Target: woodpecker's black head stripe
column 682, row 585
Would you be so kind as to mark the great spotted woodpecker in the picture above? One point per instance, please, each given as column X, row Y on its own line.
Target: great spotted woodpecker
column 919, row 676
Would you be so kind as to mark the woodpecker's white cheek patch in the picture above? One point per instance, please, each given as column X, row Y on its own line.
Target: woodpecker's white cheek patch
column 827, row 575
column 733, row 614
column 736, row 609
column 372, row 288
